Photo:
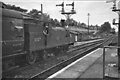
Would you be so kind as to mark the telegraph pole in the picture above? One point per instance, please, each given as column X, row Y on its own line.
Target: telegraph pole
column 118, row 50
column 41, row 8
column 119, row 44
column 88, row 22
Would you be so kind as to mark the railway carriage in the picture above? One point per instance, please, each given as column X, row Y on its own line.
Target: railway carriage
column 12, row 32
column 12, row 36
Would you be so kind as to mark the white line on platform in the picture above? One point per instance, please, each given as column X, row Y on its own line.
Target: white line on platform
column 60, row 71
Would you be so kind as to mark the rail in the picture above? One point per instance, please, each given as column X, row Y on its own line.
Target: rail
column 48, row 71
column 62, row 64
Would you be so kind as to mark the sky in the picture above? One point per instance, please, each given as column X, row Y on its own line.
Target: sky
column 99, row 10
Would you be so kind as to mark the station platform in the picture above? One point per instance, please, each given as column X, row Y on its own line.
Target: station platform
column 91, row 67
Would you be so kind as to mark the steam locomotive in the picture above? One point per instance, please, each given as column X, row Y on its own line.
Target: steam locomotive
column 23, row 35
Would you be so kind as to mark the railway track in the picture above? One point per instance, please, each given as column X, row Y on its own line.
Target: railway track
column 45, row 74
column 82, row 50
column 72, row 49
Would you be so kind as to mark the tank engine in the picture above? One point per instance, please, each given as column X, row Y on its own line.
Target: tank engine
column 23, row 35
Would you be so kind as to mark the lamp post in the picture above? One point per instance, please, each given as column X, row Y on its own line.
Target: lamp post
column 88, row 22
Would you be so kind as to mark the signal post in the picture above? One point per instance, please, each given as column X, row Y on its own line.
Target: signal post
column 118, row 11
column 67, row 14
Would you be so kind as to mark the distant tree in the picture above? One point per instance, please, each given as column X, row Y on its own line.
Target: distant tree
column 79, row 25
column 97, row 27
column 44, row 17
column 113, row 31
column 83, row 25
column 106, row 27
column 35, row 13
column 52, row 22
column 56, row 22
column 94, row 27
column 39, row 15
